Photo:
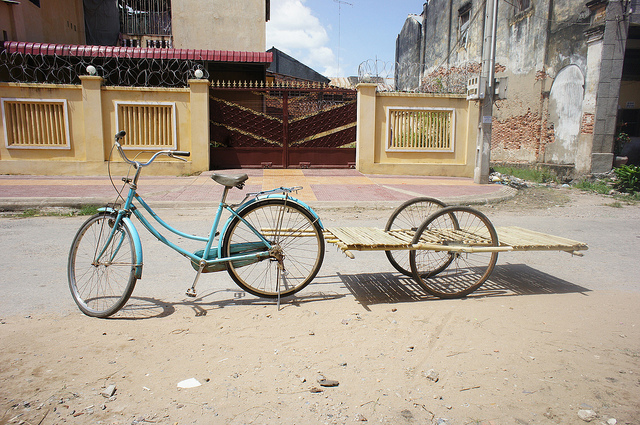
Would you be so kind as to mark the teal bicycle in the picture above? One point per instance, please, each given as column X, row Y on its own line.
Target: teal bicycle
column 272, row 244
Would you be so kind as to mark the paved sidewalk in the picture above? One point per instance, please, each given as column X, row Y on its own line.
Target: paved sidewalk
column 335, row 187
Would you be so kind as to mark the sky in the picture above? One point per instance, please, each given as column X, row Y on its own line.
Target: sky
column 334, row 38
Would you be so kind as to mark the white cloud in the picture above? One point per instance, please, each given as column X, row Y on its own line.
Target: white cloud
column 294, row 30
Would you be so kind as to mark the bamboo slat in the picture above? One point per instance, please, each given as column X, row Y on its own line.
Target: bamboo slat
column 510, row 239
column 528, row 240
column 366, row 238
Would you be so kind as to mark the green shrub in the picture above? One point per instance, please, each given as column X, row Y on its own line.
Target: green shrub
column 628, row 178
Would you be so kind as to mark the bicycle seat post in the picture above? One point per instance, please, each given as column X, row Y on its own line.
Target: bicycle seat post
column 223, row 200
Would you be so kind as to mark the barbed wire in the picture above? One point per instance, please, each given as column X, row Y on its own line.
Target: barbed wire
column 116, row 71
column 377, row 71
column 413, row 77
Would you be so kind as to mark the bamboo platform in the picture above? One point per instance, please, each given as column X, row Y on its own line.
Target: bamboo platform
column 528, row 240
column 509, row 238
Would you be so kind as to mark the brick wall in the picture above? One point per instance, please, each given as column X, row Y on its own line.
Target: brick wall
column 529, row 132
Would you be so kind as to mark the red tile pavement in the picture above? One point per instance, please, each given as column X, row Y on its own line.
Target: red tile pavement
column 320, row 185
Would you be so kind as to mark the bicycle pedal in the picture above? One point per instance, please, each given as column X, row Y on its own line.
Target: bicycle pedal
column 191, row 293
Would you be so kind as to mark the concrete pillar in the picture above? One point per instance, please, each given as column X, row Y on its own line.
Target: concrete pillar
column 366, row 129
column 199, row 108
column 93, row 125
column 613, row 49
column 585, row 138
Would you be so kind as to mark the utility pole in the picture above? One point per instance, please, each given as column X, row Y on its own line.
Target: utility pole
column 340, row 3
column 483, row 151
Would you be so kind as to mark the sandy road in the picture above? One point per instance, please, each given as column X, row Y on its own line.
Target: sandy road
column 547, row 336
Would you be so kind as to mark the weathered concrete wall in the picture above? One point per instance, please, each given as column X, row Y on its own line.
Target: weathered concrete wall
column 556, row 69
column 408, row 50
column 55, row 21
column 565, row 112
column 219, row 25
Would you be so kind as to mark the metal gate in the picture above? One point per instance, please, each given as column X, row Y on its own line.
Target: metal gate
column 281, row 126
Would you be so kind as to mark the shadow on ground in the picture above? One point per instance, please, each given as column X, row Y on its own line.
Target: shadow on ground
column 506, row 280
column 367, row 288
column 139, row 308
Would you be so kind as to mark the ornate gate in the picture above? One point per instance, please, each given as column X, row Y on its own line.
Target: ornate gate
column 282, row 126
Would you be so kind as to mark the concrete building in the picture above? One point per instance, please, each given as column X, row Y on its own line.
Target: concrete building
column 285, row 68
column 568, row 71
column 196, row 24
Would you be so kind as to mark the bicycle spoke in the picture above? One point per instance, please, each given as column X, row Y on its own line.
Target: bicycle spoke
column 101, row 288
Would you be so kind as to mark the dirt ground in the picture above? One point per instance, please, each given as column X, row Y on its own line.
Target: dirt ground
column 402, row 357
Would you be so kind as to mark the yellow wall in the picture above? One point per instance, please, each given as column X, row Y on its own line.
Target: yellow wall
column 373, row 158
column 55, row 21
column 92, row 126
column 629, row 92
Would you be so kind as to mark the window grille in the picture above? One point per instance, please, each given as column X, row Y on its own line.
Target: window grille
column 35, row 123
column 148, row 125
column 145, row 17
column 421, row 130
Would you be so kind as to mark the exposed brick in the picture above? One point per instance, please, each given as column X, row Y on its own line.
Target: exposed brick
column 588, row 121
column 528, row 131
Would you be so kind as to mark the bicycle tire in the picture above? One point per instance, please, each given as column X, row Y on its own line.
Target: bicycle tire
column 457, row 226
column 297, row 239
column 102, row 288
column 409, row 216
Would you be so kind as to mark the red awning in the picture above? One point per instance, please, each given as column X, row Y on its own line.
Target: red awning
column 136, row 52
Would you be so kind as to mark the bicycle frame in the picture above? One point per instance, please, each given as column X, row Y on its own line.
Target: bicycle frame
column 123, row 215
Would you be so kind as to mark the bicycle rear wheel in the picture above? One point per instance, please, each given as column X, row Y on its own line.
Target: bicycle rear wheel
column 296, row 254
column 459, row 227
column 409, row 216
column 101, row 287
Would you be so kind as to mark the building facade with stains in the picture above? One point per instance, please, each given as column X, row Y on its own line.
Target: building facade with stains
column 568, row 72
column 196, row 24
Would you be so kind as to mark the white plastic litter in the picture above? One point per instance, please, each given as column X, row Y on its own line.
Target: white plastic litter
column 189, row 383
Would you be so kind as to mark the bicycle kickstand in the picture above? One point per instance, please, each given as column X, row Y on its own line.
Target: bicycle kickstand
column 191, row 292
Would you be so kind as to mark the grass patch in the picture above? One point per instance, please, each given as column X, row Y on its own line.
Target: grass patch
column 55, row 212
column 528, row 174
column 615, row 204
column 597, row 186
column 88, row 210
column 604, row 187
column 32, row 212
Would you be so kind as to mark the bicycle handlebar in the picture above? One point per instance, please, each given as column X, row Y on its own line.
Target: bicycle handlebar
column 169, row 153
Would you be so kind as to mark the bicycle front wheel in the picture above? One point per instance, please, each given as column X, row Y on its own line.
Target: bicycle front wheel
column 296, row 254
column 101, row 286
